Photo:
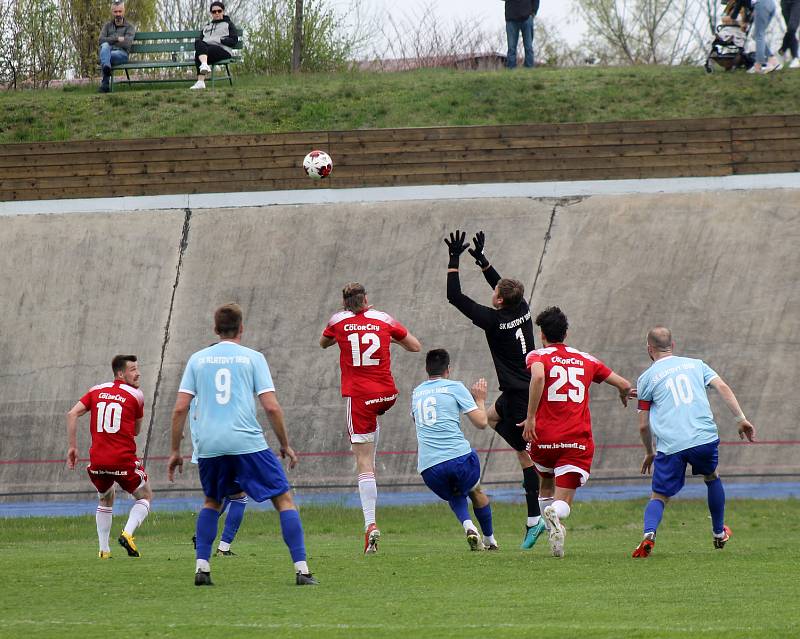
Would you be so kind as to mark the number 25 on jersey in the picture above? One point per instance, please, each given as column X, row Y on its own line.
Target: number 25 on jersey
column 566, row 377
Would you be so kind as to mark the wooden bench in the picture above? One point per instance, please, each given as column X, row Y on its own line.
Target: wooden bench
column 179, row 45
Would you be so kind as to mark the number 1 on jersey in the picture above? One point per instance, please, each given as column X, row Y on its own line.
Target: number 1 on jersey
column 365, row 358
column 521, row 337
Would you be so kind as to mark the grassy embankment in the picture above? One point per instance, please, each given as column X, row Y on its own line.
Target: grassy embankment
column 263, row 104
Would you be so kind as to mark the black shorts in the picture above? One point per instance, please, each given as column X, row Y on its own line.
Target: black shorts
column 512, row 407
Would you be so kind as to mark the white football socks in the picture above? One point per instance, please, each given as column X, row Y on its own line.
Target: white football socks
column 368, row 491
column 137, row 515
column 532, row 521
column 224, row 546
column 202, row 565
column 301, row 567
column 468, row 525
column 103, row 519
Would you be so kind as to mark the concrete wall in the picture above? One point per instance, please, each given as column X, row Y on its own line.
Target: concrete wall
column 720, row 269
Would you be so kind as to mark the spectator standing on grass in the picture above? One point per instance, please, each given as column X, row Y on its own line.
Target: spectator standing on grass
column 519, row 19
column 762, row 13
column 217, row 42
column 116, row 38
column 791, row 14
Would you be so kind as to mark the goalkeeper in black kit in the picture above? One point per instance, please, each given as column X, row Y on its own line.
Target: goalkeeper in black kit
column 509, row 332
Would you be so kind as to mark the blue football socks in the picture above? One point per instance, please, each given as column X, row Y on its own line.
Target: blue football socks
column 206, row 532
column 653, row 513
column 292, row 530
column 484, row 517
column 716, row 504
column 236, row 508
column 459, row 506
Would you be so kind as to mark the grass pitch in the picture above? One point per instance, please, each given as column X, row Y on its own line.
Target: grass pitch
column 423, row 583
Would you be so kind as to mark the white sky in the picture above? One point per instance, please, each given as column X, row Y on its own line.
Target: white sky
column 559, row 14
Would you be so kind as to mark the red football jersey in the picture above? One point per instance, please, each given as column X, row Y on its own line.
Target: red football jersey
column 114, row 408
column 364, row 339
column 564, row 407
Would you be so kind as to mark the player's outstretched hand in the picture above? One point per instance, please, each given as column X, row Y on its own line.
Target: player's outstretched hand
column 528, row 429
column 456, row 245
column 288, row 453
column 478, row 390
column 175, row 461
column 647, row 463
column 72, row 458
column 746, row 429
column 478, row 242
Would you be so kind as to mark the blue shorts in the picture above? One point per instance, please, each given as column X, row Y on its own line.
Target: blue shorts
column 260, row 475
column 454, row 477
column 669, row 471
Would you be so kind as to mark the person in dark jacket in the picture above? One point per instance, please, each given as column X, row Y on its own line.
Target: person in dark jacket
column 519, row 19
column 791, row 15
column 217, row 42
column 116, row 38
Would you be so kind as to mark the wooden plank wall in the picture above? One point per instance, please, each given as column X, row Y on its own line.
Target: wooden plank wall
column 390, row 157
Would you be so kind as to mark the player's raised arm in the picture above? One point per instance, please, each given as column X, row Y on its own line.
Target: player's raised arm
column 489, row 272
column 269, row 402
column 746, row 429
column 478, row 392
column 622, row 385
column 72, row 433
column 480, row 315
column 179, row 414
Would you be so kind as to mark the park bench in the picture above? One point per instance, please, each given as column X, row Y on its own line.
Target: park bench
column 179, row 49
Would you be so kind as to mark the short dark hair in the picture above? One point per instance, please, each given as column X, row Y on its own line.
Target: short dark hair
column 512, row 292
column 437, row 361
column 228, row 320
column 354, row 297
column 217, row 3
column 120, row 362
column 553, row 323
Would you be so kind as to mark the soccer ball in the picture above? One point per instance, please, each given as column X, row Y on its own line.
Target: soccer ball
column 318, row 165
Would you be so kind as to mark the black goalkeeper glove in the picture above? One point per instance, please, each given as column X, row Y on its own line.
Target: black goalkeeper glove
column 477, row 252
column 455, row 247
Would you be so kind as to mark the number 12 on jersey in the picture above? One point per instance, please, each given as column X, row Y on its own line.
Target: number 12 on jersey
column 372, row 343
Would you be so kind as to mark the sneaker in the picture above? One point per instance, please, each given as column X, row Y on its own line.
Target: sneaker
column 225, row 553
column 719, row 542
column 202, row 578
column 305, row 579
column 371, row 539
column 772, row 67
column 104, row 554
column 795, row 63
column 200, row 84
column 128, row 543
column 532, row 534
column 204, row 69
column 474, row 540
column 557, row 532
column 645, row 547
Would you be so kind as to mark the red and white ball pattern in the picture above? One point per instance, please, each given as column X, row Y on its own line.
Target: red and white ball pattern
column 318, row 165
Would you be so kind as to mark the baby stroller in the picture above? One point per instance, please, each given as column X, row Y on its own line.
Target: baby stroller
column 728, row 49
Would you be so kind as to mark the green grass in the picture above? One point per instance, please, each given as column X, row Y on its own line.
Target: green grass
column 265, row 104
column 423, row 583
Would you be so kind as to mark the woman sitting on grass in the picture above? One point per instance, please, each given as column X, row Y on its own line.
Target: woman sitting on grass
column 219, row 38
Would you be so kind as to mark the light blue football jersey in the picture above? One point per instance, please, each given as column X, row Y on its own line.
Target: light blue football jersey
column 436, row 406
column 680, row 415
column 224, row 380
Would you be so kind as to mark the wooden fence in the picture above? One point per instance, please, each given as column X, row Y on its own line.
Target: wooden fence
column 393, row 157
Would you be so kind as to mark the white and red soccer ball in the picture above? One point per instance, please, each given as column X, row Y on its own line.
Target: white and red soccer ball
column 318, row 165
